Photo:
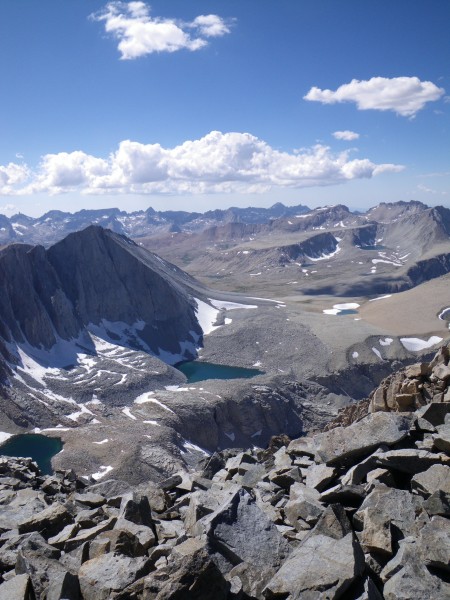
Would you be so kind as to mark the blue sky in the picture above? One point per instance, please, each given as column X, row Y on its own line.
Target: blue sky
column 197, row 104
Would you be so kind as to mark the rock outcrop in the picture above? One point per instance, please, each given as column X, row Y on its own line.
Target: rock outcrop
column 358, row 512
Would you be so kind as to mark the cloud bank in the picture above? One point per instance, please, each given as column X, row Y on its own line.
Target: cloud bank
column 218, row 162
column 139, row 34
column 402, row 95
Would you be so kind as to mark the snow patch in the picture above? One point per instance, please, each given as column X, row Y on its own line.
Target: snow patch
column 144, row 398
column 4, row 436
column 416, row 344
column 386, row 342
column 126, row 411
column 103, row 470
column 381, row 297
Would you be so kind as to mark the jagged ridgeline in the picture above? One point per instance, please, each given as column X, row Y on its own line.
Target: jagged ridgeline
column 358, row 512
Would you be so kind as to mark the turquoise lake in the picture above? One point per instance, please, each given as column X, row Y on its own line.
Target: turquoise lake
column 39, row 447
column 200, row 371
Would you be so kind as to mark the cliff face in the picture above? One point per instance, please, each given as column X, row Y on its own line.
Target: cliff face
column 95, row 279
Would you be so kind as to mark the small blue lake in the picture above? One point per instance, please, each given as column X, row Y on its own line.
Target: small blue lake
column 200, row 371
column 39, row 447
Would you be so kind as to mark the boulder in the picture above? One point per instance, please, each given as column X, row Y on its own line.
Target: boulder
column 434, row 413
column 41, row 562
column 48, row 522
column 347, row 444
column 410, row 460
column 17, row 588
column 333, row 523
column 145, row 535
column 435, row 478
column 90, row 499
column 441, row 439
column 242, row 533
column 63, row 586
column 189, row 575
column 321, row 567
column 105, row 575
column 438, row 504
column 414, row 581
column 319, row 477
column 303, row 507
column 385, row 516
column 89, row 534
column 434, row 543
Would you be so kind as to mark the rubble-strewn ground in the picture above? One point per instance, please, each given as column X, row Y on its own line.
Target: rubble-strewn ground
column 356, row 512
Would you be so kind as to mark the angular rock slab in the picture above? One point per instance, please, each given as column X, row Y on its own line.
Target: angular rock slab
column 101, row 577
column 320, row 568
column 242, row 533
column 17, row 588
column 383, row 510
column 436, row 478
column 414, row 582
column 347, row 444
column 434, row 543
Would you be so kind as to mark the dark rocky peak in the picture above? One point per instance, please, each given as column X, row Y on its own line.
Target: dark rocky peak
column 100, row 282
column 54, row 216
column 22, row 219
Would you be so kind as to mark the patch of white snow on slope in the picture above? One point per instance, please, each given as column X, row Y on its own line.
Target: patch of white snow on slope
column 126, row 411
column 325, row 256
column 146, row 398
column 101, row 472
column 386, row 342
column 416, row 344
column 381, row 297
column 4, row 436
column 206, row 316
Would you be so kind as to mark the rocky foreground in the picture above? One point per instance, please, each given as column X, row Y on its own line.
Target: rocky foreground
column 356, row 512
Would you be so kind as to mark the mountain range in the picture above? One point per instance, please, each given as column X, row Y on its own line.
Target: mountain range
column 55, row 225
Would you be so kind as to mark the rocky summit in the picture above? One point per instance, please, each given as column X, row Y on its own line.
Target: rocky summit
column 359, row 511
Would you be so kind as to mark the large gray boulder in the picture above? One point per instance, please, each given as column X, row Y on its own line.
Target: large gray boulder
column 436, row 478
column 242, row 533
column 17, row 588
column 384, row 512
column 48, row 522
column 347, row 444
column 434, row 543
column 321, row 568
column 102, row 576
column 414, row 581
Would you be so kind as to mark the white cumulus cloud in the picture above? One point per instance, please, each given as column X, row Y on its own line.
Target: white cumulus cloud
column 12, row 176
column 346, row 135
column 139, row 33
column 218, row 162
column 402, row 95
